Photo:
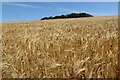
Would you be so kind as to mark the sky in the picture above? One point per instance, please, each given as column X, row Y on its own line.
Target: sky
column 22, row 11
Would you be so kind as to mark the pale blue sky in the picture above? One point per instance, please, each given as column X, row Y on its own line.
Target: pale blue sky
column 20, row 11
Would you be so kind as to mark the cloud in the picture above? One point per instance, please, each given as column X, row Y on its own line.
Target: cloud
column 33, row 6
column 61, row 9
column 68, row 10
column 84, row 12
column 26, row 5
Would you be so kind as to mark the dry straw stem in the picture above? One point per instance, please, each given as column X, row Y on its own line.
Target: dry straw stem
column 69, row 48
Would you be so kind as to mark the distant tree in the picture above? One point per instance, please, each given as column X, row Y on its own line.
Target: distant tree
column 72, row 15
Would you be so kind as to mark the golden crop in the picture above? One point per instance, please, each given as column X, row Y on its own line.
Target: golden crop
column 69, row 48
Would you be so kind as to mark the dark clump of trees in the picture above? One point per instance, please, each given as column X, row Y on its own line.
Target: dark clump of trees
column 72, row 15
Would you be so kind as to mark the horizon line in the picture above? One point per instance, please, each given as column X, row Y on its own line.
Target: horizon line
column 54, row 19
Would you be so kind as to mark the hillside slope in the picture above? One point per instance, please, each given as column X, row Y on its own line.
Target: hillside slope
column 69, row 48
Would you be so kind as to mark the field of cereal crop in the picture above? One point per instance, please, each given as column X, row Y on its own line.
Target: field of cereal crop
column 69, row 48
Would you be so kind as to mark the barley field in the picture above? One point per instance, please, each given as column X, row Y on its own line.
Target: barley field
column 62, row 48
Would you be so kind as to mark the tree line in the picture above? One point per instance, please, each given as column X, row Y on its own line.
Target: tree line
column 72, row 15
